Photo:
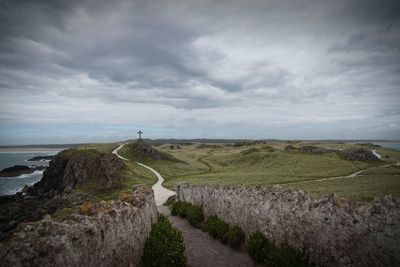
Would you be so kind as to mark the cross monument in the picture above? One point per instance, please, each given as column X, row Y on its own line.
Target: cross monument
column 140, row 134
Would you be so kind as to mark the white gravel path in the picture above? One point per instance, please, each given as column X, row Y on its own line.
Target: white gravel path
column 376, row 154
column 115, row 152
column 161, row 194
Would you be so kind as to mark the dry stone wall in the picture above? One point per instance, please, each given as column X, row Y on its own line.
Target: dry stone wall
column 113, row 234
column 333, row 231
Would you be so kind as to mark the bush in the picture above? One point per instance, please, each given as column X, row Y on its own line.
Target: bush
column 217, row 228
column 258, row 246
column 179, row 208
column 235, row 235
column 164, row 246
column 194, row 214
column 286, row 256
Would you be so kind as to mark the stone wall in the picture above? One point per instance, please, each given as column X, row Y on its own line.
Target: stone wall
column 333, row 231
column 107, row 233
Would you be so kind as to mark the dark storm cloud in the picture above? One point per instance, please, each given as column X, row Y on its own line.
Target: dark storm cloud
column 234, row 58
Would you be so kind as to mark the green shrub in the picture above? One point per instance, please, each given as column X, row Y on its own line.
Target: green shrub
column 286, row 256
column 235, row 235
column 258, row 246
column 194, row 214
column 179, row 208
column 164, row 246
column 217, row 228
column 170, row 201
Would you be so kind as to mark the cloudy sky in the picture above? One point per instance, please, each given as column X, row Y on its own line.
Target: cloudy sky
column 94, row 71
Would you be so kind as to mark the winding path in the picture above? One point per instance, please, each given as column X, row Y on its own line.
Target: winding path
column 201, row 249
column 161, row 194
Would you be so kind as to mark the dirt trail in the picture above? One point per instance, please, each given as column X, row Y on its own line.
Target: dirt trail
column 203, row 250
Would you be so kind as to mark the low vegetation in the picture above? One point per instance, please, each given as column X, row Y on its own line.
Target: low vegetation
column 217, row 228
column 106, row 147
column 269, row 164
column 235, row 236
column 164, row 246
column 262, row 250
column 258, row 246
column 193, row 213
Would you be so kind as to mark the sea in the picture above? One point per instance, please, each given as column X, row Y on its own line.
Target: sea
column 390, row 145
column 11, row 185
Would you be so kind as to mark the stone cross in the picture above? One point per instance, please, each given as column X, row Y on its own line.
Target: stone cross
column 140, row 134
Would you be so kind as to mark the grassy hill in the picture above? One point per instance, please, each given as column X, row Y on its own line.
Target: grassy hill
column 270, row 164
column 266, row 164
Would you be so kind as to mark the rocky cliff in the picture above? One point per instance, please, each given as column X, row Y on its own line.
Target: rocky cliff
column 67, row 170
column 333, row 231
column 72, row 168
column 109, row 233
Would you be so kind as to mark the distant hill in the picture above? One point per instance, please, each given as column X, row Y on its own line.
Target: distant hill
column 159, row 142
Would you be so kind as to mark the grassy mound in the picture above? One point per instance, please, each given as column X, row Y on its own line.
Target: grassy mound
column 140, row 151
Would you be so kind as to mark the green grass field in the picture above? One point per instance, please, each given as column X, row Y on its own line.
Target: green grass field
column 269, row 164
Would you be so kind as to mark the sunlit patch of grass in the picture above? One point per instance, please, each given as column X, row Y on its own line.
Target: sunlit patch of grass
column 361, row 188
column 106, row 147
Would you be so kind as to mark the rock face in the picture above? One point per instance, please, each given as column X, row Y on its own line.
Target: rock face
column 67, row 170
column 15, row 209
column 333, row 231
column 113, row 235
column 359, row 155
column 72, row 168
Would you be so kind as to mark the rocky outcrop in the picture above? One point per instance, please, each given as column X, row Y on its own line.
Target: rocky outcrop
column 72, row 168
column 17, row 170
column 41, row 158
column 67, row 170
column 18, row 208
column 109, row 233
column 333, row 231
column 359, row 155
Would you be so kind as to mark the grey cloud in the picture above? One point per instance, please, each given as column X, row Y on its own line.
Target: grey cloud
column 195, row 56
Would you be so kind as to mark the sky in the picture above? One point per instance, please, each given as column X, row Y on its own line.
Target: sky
column 98, row 71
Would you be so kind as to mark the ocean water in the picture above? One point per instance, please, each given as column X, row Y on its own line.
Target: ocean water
column 390, row 145
column 11, row 185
